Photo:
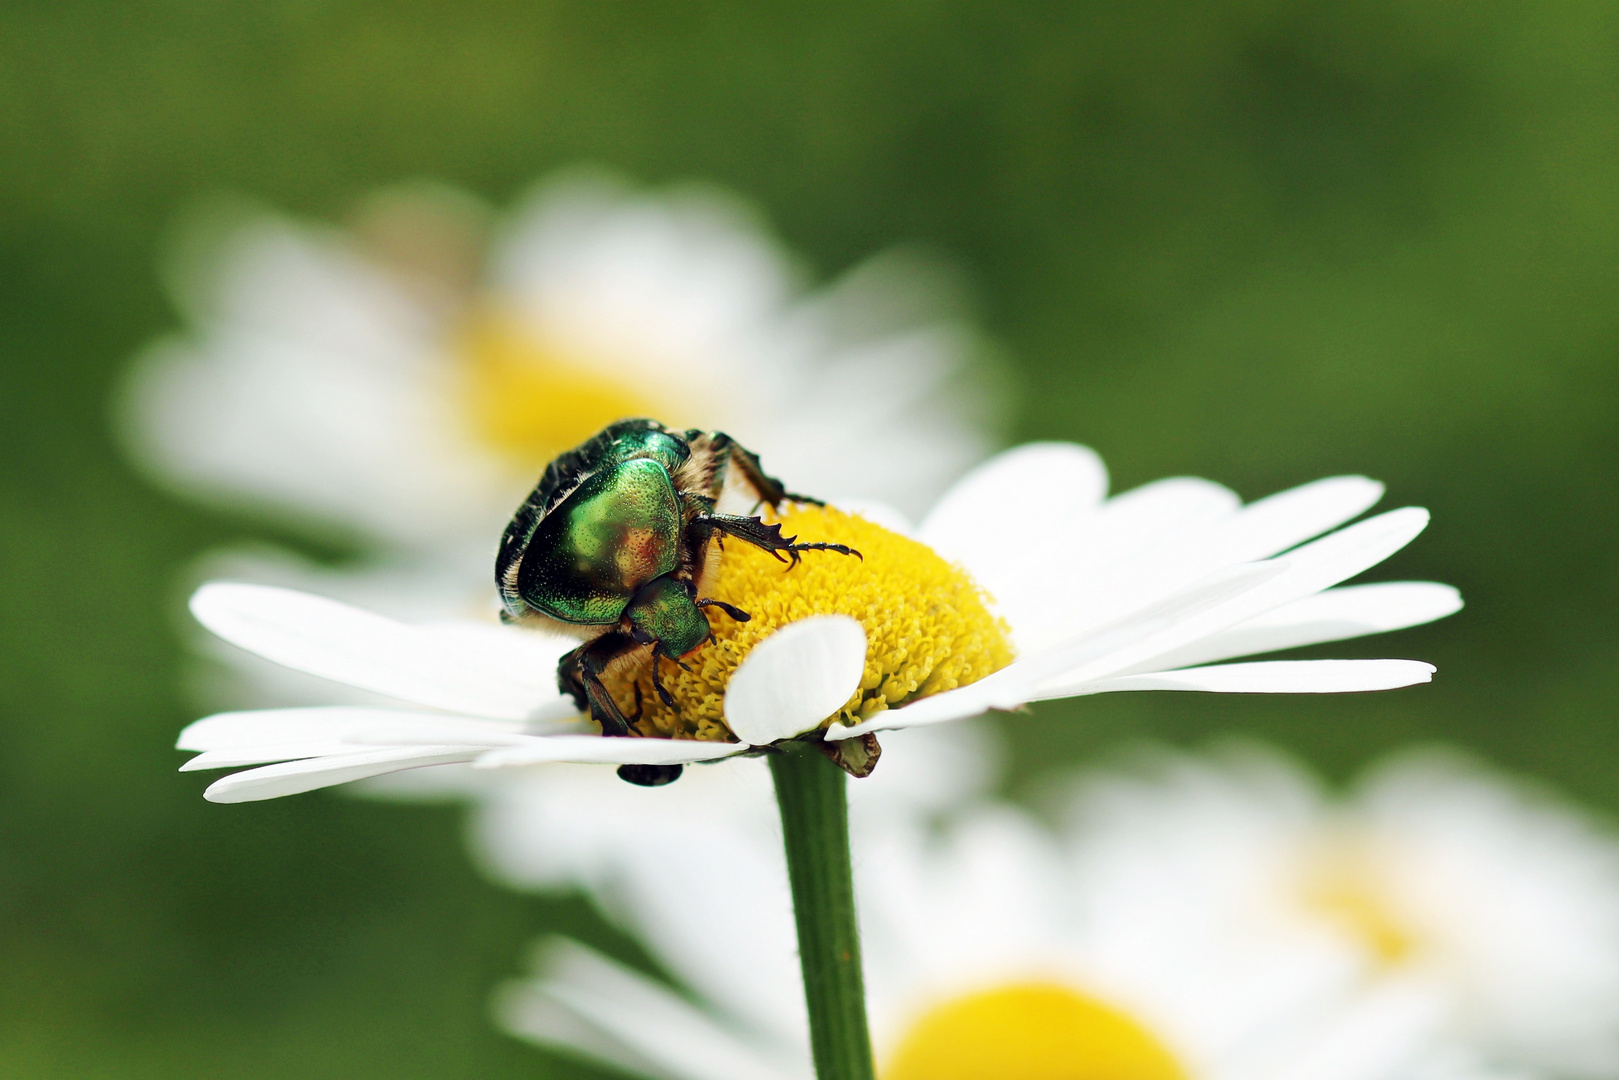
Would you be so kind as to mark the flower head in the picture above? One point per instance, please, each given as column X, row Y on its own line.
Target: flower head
column 404, row 380
column 1023, row 584
column 1435, row 877
column 983, row 959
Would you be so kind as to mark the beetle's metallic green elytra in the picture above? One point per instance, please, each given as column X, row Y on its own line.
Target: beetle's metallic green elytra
column 618, row 531
column 611, row 546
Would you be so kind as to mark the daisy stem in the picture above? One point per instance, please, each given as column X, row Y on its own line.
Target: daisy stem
column 815, row 828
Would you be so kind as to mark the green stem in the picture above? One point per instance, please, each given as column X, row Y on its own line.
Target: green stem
column 815, row 826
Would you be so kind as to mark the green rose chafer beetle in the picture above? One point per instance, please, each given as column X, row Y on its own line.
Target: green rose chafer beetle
column 612, row 543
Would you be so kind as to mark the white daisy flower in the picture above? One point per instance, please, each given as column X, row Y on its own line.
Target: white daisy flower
column 1136, row 592
column 979, row 964
column 1492, row 900
column 405, row 383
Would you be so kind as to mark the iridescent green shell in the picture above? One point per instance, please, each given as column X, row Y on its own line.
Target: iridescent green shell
column 614, row 533
column 577, row 595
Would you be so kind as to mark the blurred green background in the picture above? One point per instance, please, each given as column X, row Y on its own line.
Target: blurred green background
column 1260, row 242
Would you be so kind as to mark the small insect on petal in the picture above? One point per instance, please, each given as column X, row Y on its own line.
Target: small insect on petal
column 796, row 678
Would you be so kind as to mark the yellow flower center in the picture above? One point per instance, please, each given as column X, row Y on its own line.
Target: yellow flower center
column 928, row 625
column 531, row 402
column 1033, row 1031
column 1341, row 883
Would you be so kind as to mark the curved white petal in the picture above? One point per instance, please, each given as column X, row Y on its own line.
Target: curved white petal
column 1062, row 479
column 1339, row 556
column 796, row 678
column 451, row 731
column 958, row 704
column 1275, row 523
column 1272, row 677
column 444, row 670
column 264, row 753
column 294, row 777
column 1154, row 516
column 1163, row 536
column 1305, row 571
column 1046, row 570
column 337, row 723
column 1335, row 615
column 599, row 749
column 1103, row 650
column 587, row 1003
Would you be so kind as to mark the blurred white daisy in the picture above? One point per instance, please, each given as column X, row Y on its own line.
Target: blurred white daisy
column 1435, row 877
column 406, row 381
column 402, row 382
column 980, row 964
column 1092, row 595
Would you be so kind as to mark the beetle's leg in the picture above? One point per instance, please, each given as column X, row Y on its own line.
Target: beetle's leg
column 734, row 612
column 639, row 703
column 727, row 452
column 657, row 684
column 766, row 537
column 579, row 676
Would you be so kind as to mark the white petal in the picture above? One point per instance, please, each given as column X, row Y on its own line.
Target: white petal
column 1276, row 677
column 609, row 751
column 974, row 699
column 236, row 757
column 615, row 1008
column 293, row 777
column 1309, row 569
column 1277, row 522
column 1338, row 556
column 265, row 727
column 1099, row 568
column 1151, row 542
column 1155, row 515
column 342, row 643
column 796, row 678
column 1016, row 683
column 1057, row 477
column 446, row 732
column 1334, row 615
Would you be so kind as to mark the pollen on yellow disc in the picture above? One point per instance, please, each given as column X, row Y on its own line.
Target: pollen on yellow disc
column 928, row 624
column 532, row 403
column 1341, row 884
column 1033, row 1031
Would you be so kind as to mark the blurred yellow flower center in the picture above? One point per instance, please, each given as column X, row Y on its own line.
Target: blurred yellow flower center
column 928, row 625
column 1341, row 884
column 1033, row 1031
column 531, row 403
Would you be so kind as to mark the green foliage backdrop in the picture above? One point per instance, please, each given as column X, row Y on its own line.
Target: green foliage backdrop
column 1260, row 241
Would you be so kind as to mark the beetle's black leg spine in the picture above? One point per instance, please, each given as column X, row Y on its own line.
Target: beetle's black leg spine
column 730, row 609
column 841, row 549
column 657, row 684
column 766, row 537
